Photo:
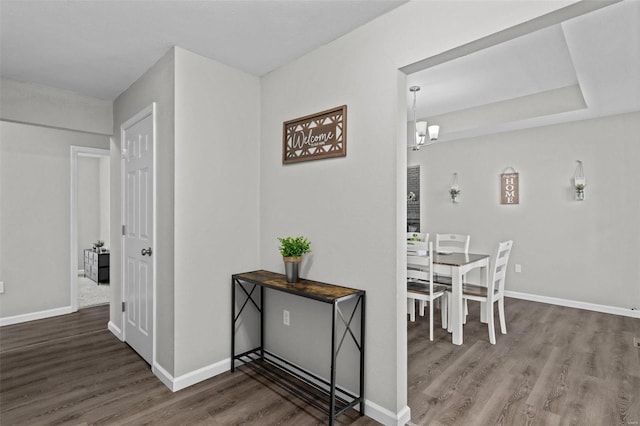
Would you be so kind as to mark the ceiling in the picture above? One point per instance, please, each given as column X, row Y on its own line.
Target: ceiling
column 582, row 68
column 99, row 48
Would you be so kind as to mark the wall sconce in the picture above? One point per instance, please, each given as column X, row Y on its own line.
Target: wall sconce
column 454, row 190
column 420, row 128
column 579, row 182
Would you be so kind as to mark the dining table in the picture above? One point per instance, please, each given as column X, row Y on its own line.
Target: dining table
column 458, row 265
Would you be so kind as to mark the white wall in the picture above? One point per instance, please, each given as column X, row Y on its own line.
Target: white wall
column 361, row 197
column 579, row 251
column 217, row 200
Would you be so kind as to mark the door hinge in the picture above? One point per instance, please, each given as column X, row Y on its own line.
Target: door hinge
column 123, row 306
column 123, row 230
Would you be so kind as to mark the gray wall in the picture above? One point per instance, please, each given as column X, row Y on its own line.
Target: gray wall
column 217, row 201
column 207, row 200
column 156, row 85
column 35, row 225
column 360, row 70
column 579, row 251
column 35, row 186
column 360, row 198
column 105, row 200
column 88, row 205
column 35, row 104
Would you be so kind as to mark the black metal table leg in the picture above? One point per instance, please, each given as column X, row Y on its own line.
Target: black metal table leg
column 332, row 389
column 233, row 324
column 262, row 322
column 362, row 323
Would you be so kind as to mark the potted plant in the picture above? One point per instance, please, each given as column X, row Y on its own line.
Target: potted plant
column 580, row 191
column 292, row 249
column 97, row 246
column 454, row 192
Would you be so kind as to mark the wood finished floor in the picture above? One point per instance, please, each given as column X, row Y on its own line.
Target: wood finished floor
column 557, row 366
column 70, row 370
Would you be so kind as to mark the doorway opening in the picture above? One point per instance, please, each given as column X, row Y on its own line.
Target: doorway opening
column 89, row 217
column 453, row 105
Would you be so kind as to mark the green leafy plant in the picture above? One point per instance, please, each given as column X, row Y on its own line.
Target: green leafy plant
column 294, row 246
column 454, row 192
column 98, row 243
column 580, row 187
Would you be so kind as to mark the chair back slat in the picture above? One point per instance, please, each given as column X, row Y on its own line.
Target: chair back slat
column 421, row 268
column 415, row 274
column 453, row 243
column 496, row 284
column 417, row 248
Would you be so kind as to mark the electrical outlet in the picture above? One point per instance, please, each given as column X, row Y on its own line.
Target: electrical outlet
column 285, row 317
column 636, row 342
column 1, row 287
column 518, row 268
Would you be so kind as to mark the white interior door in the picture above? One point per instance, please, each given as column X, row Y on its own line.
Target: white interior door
column 138, row 235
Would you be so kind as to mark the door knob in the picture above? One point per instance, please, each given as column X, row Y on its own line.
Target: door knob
column 146, row 252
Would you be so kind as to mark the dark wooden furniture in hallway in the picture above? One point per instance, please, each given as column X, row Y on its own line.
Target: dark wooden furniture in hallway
column 96, row 265
column 323, row 393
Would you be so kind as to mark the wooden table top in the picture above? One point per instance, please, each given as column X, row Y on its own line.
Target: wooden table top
column 328, row 293
column 457, row 259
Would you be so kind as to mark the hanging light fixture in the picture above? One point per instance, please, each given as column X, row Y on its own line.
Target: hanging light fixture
column 420, row 128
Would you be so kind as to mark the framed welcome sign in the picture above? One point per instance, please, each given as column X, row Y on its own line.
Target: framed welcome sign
column 315, row 136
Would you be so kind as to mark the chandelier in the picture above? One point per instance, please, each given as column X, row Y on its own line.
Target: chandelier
column 420, row 128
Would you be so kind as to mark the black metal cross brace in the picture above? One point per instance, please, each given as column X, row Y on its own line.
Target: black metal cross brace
column 348, row 326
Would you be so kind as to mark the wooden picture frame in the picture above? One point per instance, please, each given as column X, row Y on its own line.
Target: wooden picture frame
column 315, row 136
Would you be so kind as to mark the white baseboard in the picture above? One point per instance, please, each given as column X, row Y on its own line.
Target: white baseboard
column 163, row 375
column 181, row 382
column 386, row 417
column 116, row 331
column 574, row 304
column 175, row 384
column 201, row 374
column 32, row 316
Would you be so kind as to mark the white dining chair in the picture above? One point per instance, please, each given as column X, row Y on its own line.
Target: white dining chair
column 420, row 287
column 451, row 243
column 417, row 248
column 494, row 292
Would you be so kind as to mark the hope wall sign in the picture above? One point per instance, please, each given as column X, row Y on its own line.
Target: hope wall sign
column 315, row 136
